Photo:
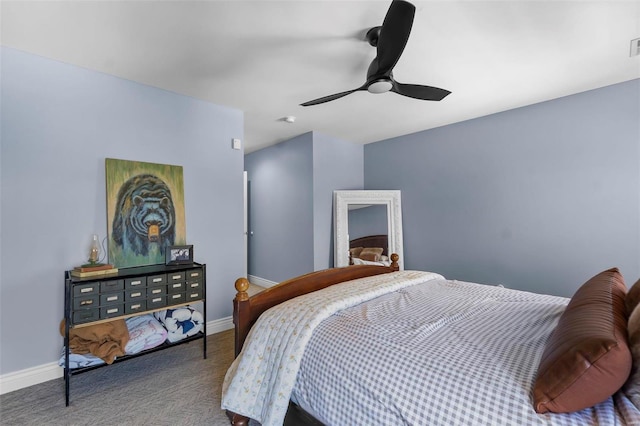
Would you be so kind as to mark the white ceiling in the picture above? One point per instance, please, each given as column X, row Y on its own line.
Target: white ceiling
column 266, row 57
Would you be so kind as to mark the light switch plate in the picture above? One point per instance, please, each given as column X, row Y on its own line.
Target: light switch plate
column 236, row 143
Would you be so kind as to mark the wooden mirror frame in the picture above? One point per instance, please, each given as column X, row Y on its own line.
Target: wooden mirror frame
column 341, row 202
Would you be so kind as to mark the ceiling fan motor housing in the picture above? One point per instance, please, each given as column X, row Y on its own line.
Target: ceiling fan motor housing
column 382, row 85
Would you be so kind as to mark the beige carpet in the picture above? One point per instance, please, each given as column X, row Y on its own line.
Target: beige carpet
column 253, row 289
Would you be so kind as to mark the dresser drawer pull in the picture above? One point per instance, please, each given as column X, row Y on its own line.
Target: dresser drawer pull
column 176, row 296
column 136, row 306
column 194, row 285
column 112, row 298
column 156, row 300
column 86, row 302
column 138, row 294
column 112, row 311
column 86, row 316
column 156, row 280
column 177, row 285
column 195, row 274
column 156, row 291
column 86, row 289
column 194, row 295
column 176, row 277
column 136, row 282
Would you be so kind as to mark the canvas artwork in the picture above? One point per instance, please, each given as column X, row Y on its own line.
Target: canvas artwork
column 145, row 211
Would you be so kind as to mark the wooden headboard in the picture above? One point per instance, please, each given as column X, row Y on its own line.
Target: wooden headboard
column 371, row 241
column 246, row 310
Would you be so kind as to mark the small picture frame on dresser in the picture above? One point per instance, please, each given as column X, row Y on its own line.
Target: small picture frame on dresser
column 179, row 255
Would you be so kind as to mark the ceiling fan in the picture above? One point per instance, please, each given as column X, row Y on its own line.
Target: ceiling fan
column 390, row 40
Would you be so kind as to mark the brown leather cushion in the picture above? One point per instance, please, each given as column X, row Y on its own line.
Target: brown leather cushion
column 587, row 358
column 633, row 297
column 371, row 254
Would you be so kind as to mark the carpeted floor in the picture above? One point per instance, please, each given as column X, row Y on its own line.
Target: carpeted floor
column 175, row 386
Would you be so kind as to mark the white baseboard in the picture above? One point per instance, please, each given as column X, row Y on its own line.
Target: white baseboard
column 261, row 281
column 219, row 325
column 28, row 377
column 43, row 373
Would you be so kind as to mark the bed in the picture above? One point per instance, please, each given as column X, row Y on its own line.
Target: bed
column 369, row 250
column 373, row 345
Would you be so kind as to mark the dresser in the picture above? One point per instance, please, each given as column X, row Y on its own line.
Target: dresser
column 131, row 292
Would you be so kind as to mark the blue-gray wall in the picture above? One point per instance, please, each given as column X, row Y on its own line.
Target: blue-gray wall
column 59, row 123
column 337, row 165
column 291, row 188
column 281, row 209
column 537, row 198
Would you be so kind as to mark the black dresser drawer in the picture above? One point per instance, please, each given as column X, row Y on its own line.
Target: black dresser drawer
column 157, row 279
column 193, row 295
column 111, row 311
column 85, row 302
column 156, row 291
column 86, row 289
column 175, row 277
column 194, row 274
column 194, row 285
column 111, row 285
column 135, row 295
column 133, row 307
column 176, row 287
column 154, row 302
column 111, row 298
column 135, row 283
column 86, row 315
column 175, row 298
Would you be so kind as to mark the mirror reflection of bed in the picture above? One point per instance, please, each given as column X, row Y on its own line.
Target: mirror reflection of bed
column 367, row 214
column 369, row 250
column 368, row 233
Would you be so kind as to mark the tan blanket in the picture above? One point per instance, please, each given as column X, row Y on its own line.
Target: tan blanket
column 105, row 340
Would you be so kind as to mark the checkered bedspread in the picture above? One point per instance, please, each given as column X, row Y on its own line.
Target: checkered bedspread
column 259, row 382
column 440, row 353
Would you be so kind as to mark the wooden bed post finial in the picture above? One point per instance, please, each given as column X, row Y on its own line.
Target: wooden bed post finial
column 242, row 285
column 394, row 261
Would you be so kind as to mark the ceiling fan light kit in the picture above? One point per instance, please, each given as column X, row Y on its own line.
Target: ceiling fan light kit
column 390, row 39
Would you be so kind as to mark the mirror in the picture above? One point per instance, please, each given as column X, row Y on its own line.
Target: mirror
column 368, row 216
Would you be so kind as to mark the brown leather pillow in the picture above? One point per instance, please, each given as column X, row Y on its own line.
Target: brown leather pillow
column 587, row 358
column 371, row 254
column 633, row 297
column 355, row 252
